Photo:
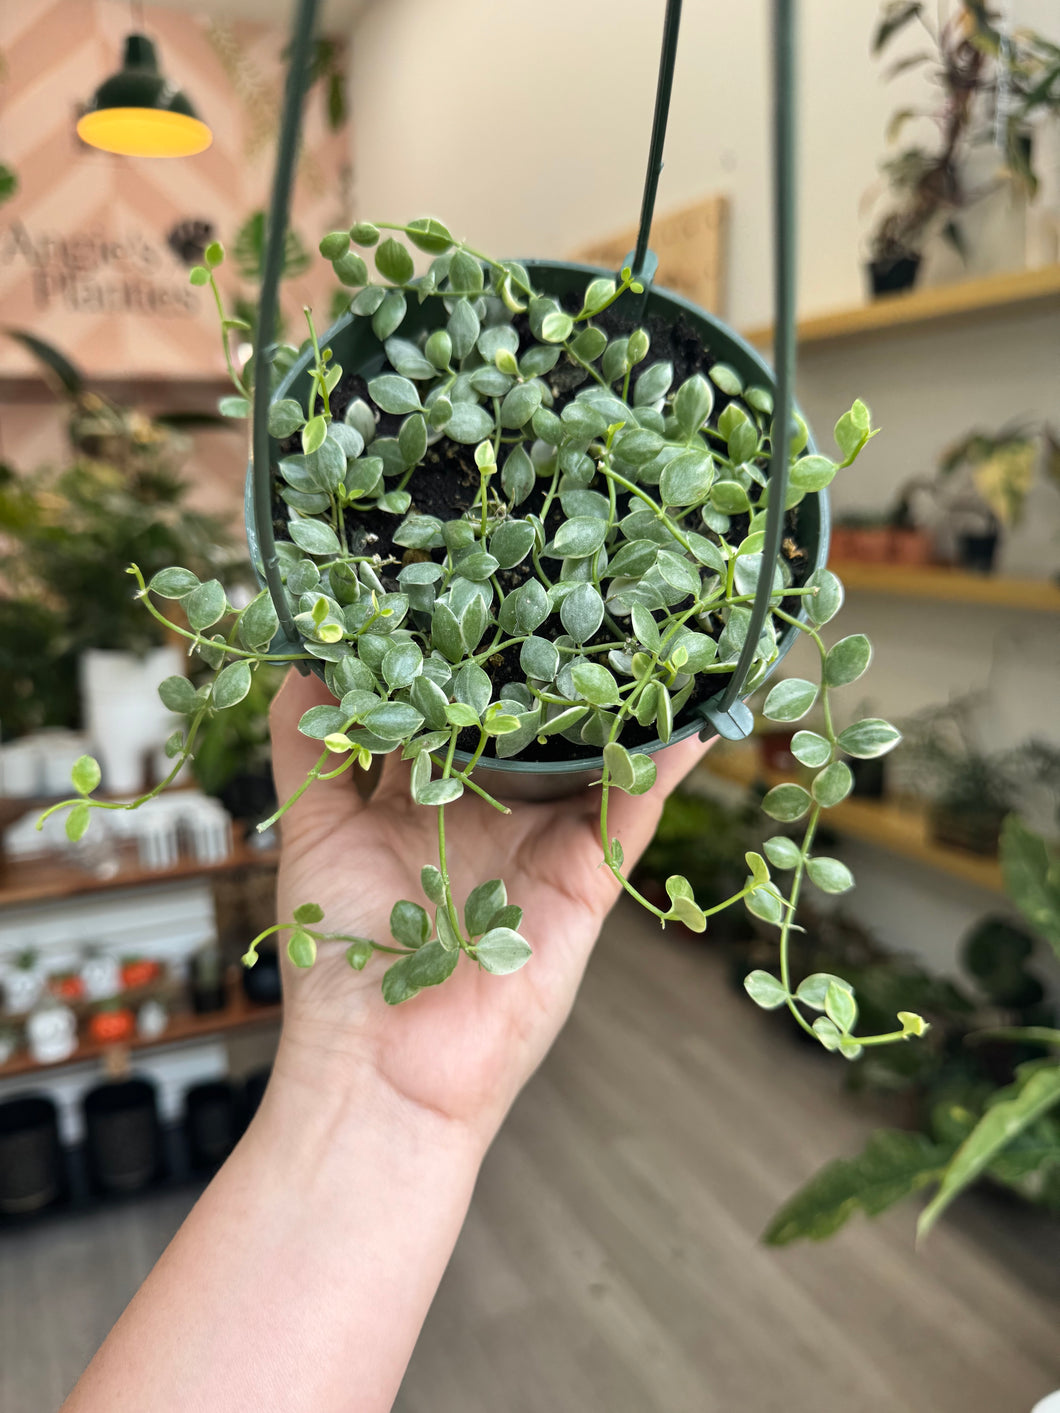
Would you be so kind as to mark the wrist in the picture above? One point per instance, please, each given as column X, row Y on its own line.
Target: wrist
column 331, row 1105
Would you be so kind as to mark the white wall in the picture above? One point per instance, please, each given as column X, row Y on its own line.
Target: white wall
column 525, row 127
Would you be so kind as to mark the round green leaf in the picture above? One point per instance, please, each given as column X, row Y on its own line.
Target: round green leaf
column 205, row 605
column 231, row 685
column 810, row 749
column 830, row 875
column 832, row 784
column 823, row 606
column 394, row 393
column 179, row 695
column 350, row 270
column 765, row 990
column 301, row 948
column 790, row 699
column 582, row 612
column 812, row 473
column 308, row 914
column 595, row 684
column 578, row 538
column 502, row 951
column 868, row 738
column 687, row 479
column 173, row 583
column 393, row 261
column 847, row 660
column 781, row 851
column 786, row 802
column 77, row 822
column 86, row 774
column 409, row 924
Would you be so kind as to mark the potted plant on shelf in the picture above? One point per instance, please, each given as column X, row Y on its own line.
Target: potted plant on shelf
column 970, row 789
column 530, row 522
column 120, row 495
column 988, row 476
column 927, row 181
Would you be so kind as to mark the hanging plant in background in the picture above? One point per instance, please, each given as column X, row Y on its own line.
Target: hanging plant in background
column 995, row 84
column 531, row 529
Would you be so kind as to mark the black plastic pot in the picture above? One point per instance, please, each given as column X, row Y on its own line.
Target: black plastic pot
column 869, row 778
column 249, row 796
column 358, row 350
column 979, row 831
column 32, row 1167
column 122, row 1139
column 978, row 552
column 893, row 276
column 211, row 1123
column 261, row 982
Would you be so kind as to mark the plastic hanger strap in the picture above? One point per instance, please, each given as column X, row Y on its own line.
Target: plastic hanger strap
column 721, row 712
column 641, row 260
column 298, row 75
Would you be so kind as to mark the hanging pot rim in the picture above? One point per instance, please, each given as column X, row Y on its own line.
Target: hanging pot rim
column 735, row 348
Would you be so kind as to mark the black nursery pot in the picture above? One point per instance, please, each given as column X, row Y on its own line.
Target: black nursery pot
column 122, row 1138
column 32, row 1170
column 978, row 552
column 893, row 276
column 211, row 1123
column 261, row 982
column 358, row 350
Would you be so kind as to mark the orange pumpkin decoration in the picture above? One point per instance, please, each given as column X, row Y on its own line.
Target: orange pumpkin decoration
column 112, row 1025
column 138, row 971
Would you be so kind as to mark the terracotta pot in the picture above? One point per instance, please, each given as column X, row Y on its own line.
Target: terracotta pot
column 912, row 547
column 871, row 545
column 775, row 747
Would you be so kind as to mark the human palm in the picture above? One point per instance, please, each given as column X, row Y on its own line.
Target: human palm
column 462, row 1049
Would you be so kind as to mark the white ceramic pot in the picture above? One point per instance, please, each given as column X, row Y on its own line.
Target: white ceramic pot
column 123, row 716
column 22, row 988
column 51, row 1033
column 101, row 976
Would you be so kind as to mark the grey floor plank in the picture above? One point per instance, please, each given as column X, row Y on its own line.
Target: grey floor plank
column 610, row 1261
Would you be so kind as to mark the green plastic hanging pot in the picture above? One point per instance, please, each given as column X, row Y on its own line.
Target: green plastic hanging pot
column 358, row 350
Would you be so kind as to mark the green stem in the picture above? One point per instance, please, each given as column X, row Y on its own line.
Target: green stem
column 237, row 382
column 443, row 867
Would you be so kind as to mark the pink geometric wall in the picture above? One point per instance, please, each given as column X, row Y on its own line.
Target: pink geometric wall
column 84, row 253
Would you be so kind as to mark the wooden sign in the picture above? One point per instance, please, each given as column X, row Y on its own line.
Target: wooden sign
column 691, row 245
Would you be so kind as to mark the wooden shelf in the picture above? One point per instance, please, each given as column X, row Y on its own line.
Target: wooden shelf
column 900, row 828
column 950, row 586
column 49, row 877
column 238, row 1014
column 998, row 294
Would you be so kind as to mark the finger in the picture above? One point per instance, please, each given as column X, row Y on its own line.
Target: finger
column 295, row 755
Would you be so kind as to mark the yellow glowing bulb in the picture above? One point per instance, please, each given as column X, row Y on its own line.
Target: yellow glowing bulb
column 144, row 132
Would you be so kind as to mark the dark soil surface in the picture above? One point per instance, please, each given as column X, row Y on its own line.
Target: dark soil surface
column 446, row 482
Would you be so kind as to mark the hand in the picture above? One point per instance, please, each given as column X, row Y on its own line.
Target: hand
column 463, row 1049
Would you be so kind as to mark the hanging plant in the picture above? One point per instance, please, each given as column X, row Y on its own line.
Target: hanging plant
column 520, row 517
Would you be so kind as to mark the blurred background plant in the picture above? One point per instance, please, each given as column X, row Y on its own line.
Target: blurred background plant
column 66, row 533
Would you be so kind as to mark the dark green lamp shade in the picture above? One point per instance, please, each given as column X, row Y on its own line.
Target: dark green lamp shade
column 137, row 113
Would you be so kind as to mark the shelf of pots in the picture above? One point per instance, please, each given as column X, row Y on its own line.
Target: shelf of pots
column 530, row 522
column 901, row 828
column 1007, row 293
column 237, row 1013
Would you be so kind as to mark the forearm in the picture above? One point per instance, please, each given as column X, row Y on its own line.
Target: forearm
column 302, row 1277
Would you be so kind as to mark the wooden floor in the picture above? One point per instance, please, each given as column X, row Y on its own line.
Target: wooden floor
column 610, row 1262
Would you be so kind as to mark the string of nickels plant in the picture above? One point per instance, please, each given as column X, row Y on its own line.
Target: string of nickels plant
column 611, row 539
